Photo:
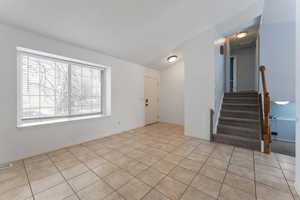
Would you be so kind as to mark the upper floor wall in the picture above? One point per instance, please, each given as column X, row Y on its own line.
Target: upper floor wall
column 277, row 48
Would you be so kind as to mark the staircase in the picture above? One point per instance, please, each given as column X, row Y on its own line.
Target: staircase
column 239, row 122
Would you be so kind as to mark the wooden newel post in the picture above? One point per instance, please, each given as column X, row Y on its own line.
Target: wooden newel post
column 266, row 110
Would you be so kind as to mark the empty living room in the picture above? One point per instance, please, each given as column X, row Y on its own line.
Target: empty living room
column 149, row 100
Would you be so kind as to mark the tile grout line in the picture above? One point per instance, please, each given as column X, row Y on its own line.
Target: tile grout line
column 241, row 166
column 254, row 169
column 119, row 168
column 226, row 171
column 153, row 187
column 286, row 181
column 48, row 157
column 27, row 177
column 190, row 185
column 102, row 178
column 149, row 167
column 92, row 171
column 282, row 171
column 166, row 175
column 136, row 138
column 60, row 182
column 63, row 177
column 198, row 172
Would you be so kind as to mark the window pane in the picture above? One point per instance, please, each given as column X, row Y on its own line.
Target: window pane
column 46, row 92
column 45, row 87
column 31, row 112
column 86, row 90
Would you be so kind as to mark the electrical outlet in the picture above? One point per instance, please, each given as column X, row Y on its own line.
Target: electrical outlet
column 274, row 133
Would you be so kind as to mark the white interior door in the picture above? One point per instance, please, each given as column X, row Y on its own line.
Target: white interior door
column 151, row 100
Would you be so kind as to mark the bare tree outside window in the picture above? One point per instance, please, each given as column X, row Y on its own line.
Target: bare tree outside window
column 55, row 88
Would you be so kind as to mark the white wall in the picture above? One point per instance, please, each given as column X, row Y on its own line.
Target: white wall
column 219, row 82
column 199, row 85
column 127, row 98
column 278, row 48
column 172, row 94
column 245, row 59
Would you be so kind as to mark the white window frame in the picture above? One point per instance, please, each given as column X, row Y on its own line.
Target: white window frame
column 105, row 89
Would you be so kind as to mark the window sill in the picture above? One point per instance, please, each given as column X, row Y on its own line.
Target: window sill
column 54, row 121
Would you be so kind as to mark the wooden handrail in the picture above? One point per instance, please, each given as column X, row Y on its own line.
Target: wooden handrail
column 265, row 103
column 262, row 69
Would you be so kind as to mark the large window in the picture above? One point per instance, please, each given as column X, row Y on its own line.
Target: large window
column 51, row 87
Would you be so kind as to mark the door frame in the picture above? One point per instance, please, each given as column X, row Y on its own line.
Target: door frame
column 235, row 74
column 158, row 99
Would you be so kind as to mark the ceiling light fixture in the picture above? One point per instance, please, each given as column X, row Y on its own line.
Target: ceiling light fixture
column 282, row 102
column 241, row 35
column 220, row 41
column 172, row 59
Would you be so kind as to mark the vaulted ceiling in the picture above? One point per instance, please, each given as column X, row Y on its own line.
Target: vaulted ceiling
column 139, row 31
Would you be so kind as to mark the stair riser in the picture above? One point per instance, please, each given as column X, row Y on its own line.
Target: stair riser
column 253, row 125
column 238, row 143
column 239, row 115
column 242, row 133
column 241, row 101
column 234, row 131
column 241, row 95
column 240, row 107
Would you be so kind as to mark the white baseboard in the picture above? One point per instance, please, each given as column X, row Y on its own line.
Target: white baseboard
column 262, row 146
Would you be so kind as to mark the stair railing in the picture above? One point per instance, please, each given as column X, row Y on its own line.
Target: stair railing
column 265, row 111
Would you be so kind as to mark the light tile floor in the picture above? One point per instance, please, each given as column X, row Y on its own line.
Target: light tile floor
column 156, row 162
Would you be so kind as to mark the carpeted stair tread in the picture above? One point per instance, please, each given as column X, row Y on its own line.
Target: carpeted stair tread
column 239, row 121
column 238, row 128
column 242, row 104
column 243, row 94
column 244, row 114
column 239, row 131
column 241, row 112
column 241, row 100
column 248, row 143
